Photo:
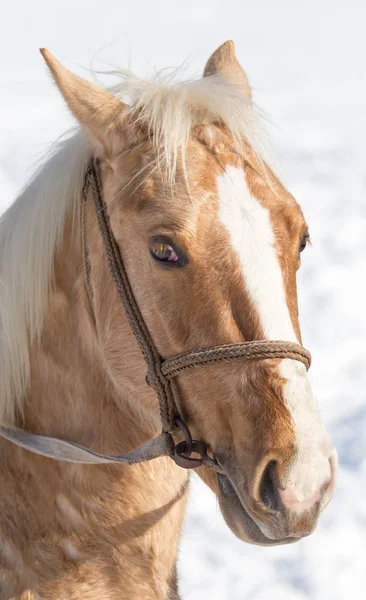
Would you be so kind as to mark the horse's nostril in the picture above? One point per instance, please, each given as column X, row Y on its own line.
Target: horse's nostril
column 268, row 487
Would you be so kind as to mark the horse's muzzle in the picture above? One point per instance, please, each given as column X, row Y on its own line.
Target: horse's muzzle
column 267, row 513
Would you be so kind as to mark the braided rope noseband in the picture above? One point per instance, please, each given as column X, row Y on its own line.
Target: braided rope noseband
column 160, row 372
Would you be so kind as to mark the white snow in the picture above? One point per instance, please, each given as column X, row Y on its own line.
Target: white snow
column 306, row 62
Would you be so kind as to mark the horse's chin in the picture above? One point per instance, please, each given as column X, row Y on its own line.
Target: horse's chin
column 238, row 519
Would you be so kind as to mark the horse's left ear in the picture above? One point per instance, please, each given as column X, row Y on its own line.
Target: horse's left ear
column 98, row 111
column 224, row 62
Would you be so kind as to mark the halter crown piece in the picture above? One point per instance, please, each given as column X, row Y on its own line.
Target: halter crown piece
column 160, row 372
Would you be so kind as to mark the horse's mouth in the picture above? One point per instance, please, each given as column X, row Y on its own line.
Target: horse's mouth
column 239, row 520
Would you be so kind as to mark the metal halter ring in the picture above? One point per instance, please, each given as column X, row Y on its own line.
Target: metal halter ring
column 182, row 451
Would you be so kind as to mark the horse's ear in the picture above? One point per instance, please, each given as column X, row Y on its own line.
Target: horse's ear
column 99, row 113
column 224, row 62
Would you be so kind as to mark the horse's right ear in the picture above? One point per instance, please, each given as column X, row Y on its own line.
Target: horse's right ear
column 98, row 111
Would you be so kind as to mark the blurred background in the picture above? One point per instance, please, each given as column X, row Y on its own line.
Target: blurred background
column 306, row 63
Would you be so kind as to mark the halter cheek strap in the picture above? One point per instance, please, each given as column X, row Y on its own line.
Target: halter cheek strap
column 160, row 372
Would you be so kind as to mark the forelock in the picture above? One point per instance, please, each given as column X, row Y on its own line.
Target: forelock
column 169, row 110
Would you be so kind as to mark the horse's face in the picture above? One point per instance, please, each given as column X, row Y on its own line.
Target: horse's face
column 217, row 264
column 213, row 260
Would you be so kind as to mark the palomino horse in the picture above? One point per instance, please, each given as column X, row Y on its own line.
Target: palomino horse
column 209, row 241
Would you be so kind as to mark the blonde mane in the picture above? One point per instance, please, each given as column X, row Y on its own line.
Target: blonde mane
column 170, row 109
column 31, row 229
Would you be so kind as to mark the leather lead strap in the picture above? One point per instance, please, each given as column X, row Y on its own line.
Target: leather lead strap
column 162, row 445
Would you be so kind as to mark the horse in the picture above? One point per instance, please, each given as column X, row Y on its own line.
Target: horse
column 194, row 221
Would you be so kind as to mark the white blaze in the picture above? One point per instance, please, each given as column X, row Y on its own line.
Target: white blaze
column 249, row 226
column 250, row 229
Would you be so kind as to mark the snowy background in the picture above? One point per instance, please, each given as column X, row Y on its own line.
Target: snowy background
column 306, row 63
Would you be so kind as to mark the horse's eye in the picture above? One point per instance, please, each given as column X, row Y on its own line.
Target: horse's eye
column 304, row 241
column 164, row 252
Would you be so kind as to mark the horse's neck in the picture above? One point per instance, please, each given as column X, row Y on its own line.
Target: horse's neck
column 78, row 394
